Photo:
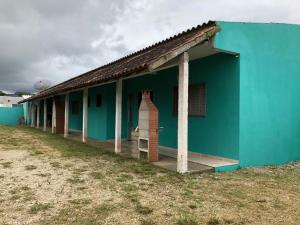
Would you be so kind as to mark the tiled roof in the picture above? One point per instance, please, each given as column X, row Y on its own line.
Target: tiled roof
column 140, row 61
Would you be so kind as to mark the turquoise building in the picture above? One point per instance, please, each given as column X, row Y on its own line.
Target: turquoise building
column 243, row 98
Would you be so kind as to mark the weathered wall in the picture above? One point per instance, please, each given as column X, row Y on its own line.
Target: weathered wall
column 100, row 124
column 215, row 134
column 10, row 115
column 269, row 90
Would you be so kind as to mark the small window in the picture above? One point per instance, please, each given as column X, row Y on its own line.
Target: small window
column 196, row 102
column 98, row 100
column 75, row 107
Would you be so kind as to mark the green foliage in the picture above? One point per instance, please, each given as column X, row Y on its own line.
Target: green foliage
column 36, row 207
column 213, row 221
column 187, row 220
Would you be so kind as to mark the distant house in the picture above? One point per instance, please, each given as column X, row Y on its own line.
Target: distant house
column 10, row 101
column 12, row 113
column 223, row 90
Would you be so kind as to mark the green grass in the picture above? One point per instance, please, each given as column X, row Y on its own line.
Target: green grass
column 6, row 164
column 82, row 201
column 187, row 220
column 55, row 164
column 214, row 221
column 30, row 167
column 147, row 222
column 100, row 187
column 104, row 209
column 75, row 180
column 36, row 152
column 144, row 210
column 97, row 175
column 37, row 207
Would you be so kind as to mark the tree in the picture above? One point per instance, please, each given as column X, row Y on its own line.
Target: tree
column 20, row 93
column 2, row 93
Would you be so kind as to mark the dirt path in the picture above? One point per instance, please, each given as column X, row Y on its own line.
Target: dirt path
column 40, row 185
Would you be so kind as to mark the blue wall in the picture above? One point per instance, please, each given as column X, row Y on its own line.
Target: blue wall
column 269, row 90
column 101, row 119
column 215, row 134
column 10, row 115
column 75, row 120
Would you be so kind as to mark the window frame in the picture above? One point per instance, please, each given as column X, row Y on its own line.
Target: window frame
column 202, row 110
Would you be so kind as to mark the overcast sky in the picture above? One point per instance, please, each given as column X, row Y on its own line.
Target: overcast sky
column 60, row 39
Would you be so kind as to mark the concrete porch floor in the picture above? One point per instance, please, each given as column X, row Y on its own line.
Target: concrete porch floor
column 129, row 148
column 167, row 156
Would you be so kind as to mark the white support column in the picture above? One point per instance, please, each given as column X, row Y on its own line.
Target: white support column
column 66, row 127
column 45, row 115
column 27, row 113
column 183, row 90
column 85, row 115
column 118, row 119
column 38, row 115
column 32, row 115
column 53, row 116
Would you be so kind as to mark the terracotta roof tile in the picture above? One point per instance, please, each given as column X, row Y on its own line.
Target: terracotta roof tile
column 131, row 64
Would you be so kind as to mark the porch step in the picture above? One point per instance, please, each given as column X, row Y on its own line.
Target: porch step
column 218, row 163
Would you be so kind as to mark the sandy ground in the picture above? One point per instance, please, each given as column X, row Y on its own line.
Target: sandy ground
column 40, row 186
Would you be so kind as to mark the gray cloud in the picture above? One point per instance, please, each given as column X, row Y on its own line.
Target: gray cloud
column 56, row 40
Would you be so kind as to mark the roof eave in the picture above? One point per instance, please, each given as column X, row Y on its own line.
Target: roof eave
column 199, row 40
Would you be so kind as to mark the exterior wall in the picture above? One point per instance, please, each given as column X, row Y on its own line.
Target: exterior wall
column 10, row 115
column 269, row 90
column 101, row 119
column 75, row 121
column 215, row 134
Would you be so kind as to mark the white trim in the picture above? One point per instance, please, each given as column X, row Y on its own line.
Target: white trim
column 45, row 115
column 66, row 126
column 32, row 115
column 53, row 116
column 85, row 115
column 183, row 90
column 38, row 115
column 118, row 118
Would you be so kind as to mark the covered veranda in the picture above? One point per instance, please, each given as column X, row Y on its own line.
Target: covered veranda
column 197, row 46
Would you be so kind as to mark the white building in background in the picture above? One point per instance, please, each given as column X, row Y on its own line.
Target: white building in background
column 11, row 101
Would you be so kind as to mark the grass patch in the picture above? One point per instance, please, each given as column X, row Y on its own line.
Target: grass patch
column 187, row 220
column 37, row 207
column 55, row 164
column 6, row 164
column 213, row 221
column 81, row 201
column 15, row 197
column 124, row 177
column 146, row 222
column 104, row 209
column 30, row 167
column 75, row 180
column 136, row 192
column 97, row 175
column 36, row 152
column 144, row 210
